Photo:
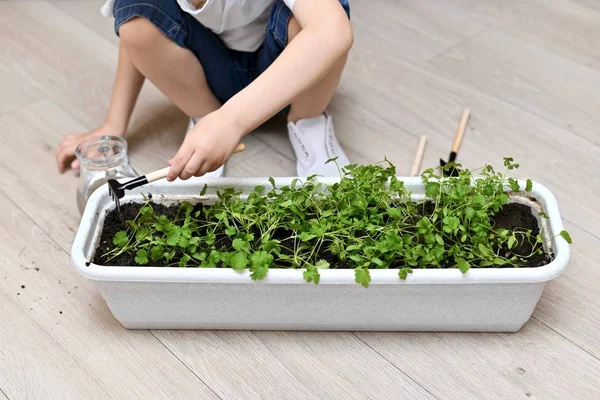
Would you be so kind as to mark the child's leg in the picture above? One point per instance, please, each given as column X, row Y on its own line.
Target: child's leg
column 185, row 60
column 310, row 128
column 175, row 71
column 314, row 101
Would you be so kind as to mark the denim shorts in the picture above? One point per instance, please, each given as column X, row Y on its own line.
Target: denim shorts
column 227, row 71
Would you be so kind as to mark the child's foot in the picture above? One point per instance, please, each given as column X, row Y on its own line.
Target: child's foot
column 219, row 172
column 314, row 142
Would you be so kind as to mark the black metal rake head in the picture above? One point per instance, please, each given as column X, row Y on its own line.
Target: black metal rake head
column 449, row 168
column 117, row 190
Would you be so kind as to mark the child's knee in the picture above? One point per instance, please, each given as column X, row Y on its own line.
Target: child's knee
column 139, row 33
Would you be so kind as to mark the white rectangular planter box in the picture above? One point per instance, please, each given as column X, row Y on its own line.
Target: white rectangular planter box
column 494, row 300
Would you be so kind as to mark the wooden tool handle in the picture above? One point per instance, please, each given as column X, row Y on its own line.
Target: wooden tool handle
column 460, row 132
column 419, row 156
column 162, row 173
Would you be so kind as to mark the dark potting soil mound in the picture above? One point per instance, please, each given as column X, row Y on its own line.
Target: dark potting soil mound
column 511, row 216
column 117, row 221
column 515, row 215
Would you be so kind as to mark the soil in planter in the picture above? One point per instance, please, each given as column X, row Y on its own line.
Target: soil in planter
column 516, row 215
column 117, row 221
column 511, row 216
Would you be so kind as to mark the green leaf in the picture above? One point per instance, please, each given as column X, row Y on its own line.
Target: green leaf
column 322, row 264
column 512, row 242
column 305, row 236
column 141, row 257
column 311, row 275
column 221, row 216
column 482, row 249
column 539, row 238
column 163, row 224
column 259, row 272
column 214, row 257
column 133, row 225
column 286, row 204
column 469, row 212
column 565, row 235
column 121, row 239
column 499, row 261
column 272, row 181
column 362, row 276
column 210, row 238
column 174, row 237
column 240, row 245
column 239, row 261
column 199, row 256
column 261, row 259
column 439, row 239
column 354, row 257
column 271, row 246
column 479, row 199
column 529, row 185
column 404, row 271
column 231, row 231
column 462, row 264
column 156, row 252
column 183, row 261
column 169, row 256
column 377, row 262
column 204, row 189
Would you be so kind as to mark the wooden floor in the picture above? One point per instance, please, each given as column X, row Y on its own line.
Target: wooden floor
column 529, row 70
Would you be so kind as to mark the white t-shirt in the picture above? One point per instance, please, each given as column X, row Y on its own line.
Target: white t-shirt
column 240, row 24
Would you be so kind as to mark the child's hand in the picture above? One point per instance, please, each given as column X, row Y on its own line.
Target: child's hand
column 65, row 153
column 206, row 148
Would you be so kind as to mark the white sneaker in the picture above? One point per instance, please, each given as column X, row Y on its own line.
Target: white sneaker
column 219, row 172
column 314, row 142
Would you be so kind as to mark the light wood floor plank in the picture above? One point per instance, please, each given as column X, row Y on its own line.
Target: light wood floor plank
column 415, row 29
column 569, row 304
column 530, row 77
column 44, row 58
column 17, row 93
column 592, row 4
column 57, row 336
column 566, row 27
column 88, row 13
column 291, row 365
column 533, row 363
column 263, row 163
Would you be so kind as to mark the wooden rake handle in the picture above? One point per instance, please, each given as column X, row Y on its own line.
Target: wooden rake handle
column 416, row 167
column 460, row 131
column 162, row 173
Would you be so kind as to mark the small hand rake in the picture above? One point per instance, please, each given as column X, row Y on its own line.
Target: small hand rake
column 117, row 190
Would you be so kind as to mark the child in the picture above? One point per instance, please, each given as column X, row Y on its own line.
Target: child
column 230, row 65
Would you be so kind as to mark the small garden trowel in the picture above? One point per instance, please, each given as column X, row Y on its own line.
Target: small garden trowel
column 117, row 189
column 451, row 170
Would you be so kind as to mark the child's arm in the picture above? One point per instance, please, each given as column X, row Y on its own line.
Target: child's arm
column 128, row 84
column 326, row 36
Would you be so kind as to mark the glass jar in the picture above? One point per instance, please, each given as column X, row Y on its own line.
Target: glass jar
column 101, row 158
